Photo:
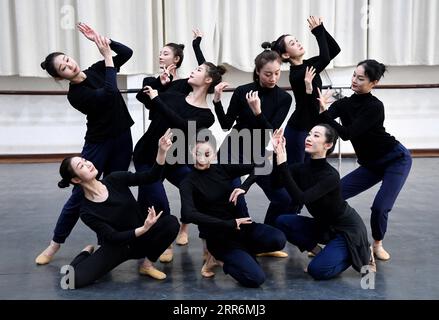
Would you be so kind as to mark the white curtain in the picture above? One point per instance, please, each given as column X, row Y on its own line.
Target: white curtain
column 181, row 17
column 29, row 30
column 245, row 24
column 396, row 32
column 404, row 32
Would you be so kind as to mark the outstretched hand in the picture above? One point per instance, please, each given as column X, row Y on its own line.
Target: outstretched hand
column 103, row 46
column 197, row 33
column 277, row 136
column 165, row 141
column 152, row 218
column 219, row 88
column 89, row 32
column 167, row 73
column 314, row 21
column 152, row 93
column 235, row 194
column 310, row 73
column 254, row 102
column 324, row 99
column 279, row 144
column 243, row 221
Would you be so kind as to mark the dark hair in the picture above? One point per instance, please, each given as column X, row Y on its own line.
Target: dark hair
column 373, row 69
column 177, row 49
column 205, row 136
column 331, row 136
column 49, row 64
column 66, row 172
column 263, row 58
column 279, row 46
column 216, row 73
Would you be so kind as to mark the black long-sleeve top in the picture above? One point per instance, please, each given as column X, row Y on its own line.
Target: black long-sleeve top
column 168, row 110
column 205, row 197
column 180, row 85
column 100, row 100
column 317, row 185
column 362, row 118
column 306, row 113
column 116, row 219
column 275, row 104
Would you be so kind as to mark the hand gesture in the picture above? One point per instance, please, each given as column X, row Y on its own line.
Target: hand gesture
column 280, row 150
column 310, row 73
column 167, row 74
column 324, row 99
column 165, row 141
column 276, row 138
column 103, row 46
column 235, row 194
column 87, row 31
column 152, row 218
column 152, row 93
column 314, row 21
column 243, row 221
column 197, row 33
column 254, row 102
column 219, row 88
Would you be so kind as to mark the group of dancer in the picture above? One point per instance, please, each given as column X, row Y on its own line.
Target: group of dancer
column 211, row 191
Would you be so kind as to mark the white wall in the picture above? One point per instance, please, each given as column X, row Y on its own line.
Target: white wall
column 48, row 124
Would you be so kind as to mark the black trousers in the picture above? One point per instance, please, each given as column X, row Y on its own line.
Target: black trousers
column 90, row 267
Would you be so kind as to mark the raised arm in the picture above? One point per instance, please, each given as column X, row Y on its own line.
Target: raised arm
column 198, row 35
column 365, row 120
column 226, row 120
column 123, row 52
column 322, row 187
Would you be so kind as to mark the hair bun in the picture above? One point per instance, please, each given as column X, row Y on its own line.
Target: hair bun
column 63, row 184
column 266, row 45
column 181, row 46
column 43, row 65
column 221, row 69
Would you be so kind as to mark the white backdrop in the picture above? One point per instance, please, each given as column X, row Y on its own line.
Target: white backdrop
column 397, row 32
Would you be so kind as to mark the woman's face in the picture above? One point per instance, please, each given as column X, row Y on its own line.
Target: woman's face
column 167, row 57
column 269, row 74
column 293, row 47
column 203, row 155
column 83, row 169
column 66, row 67
column 199, row 77
column 361, row 82
column 315, row 142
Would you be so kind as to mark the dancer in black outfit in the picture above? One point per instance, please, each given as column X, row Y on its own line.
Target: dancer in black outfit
column 171, row 57
column 260, row 104
column 316, row 185
column 173, row 110
column 108, row 142
column 208, row 200
column 109, row 208
column 306, row 114
column 380, row 155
